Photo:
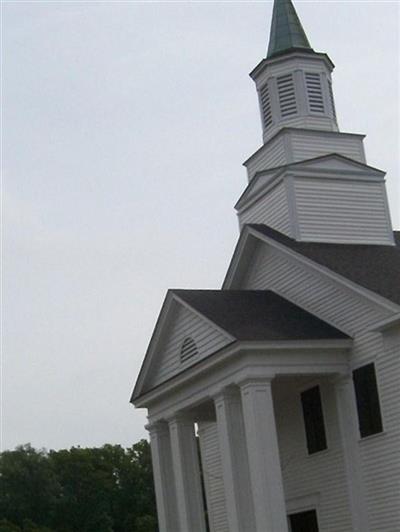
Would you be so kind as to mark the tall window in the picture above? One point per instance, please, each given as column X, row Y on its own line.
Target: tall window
column 367, row 397
column 313, row 420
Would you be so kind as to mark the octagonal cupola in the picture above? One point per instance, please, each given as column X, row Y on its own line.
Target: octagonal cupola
column 293, row 82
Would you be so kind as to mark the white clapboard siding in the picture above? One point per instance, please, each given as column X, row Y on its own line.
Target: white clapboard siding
column 323, row 123
column 310, row 145
column 355, row 315
column 342, row 211
column 213, row 481
column 269, row 156
column 185, row 324
column 321, row 473
column 294, row 145
column 327, row 299
column 380, row 453
column 272, row 209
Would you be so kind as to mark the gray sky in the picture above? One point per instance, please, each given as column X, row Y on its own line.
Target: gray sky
column 124, row 129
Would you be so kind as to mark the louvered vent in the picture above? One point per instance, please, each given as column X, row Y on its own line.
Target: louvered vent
column 188, row 349
column 287, row 95
column 266, row 106
column 314, row 93
column 332, row 100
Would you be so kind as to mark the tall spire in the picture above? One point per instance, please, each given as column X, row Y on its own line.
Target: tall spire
column 287, row 33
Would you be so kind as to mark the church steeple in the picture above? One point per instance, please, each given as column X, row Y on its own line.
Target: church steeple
column 287, row 33
column 293, row 82
column 308, row 181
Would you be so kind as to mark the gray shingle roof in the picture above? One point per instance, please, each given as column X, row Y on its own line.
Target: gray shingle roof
column 374, row 267
column 258, row 315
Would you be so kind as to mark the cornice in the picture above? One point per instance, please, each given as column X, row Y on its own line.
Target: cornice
column 296, row 54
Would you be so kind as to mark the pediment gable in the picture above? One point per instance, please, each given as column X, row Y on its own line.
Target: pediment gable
column 345, row 263
column 334, row 165
column 335, row 161
column 181, row 338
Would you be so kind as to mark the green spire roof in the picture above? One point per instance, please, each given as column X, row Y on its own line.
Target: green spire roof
column 286, row 30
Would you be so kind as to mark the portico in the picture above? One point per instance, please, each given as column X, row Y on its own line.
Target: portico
column 235, row 390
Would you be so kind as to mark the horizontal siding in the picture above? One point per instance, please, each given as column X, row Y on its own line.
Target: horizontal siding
column 271, row 269
column 342, row 211
column 324, row 471
column 308, row 146
column 269, row 156
column 381, row 453
column 272, row 209
column 356, row 316
column 307, row 122
column 304, row 145
column 213, row 480
column 185, row 324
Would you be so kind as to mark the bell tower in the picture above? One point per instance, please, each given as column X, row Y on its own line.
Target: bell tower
column 309, row 180
column 293, row 82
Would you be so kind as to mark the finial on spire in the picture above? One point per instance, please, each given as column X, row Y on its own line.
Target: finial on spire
column 287, row 33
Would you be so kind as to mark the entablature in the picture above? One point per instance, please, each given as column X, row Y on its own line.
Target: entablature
column 241, row 361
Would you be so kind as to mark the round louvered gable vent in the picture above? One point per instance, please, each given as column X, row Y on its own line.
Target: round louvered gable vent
column 188, row 349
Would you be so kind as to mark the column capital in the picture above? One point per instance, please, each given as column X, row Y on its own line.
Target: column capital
column 227, row 393
column 252, row 381
column 180, row 418
column 157, row 427
column 343, row 380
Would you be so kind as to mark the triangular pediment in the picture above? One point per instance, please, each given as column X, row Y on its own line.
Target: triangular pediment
column 332, row 165
column 343, row 262
column 335, row 161
column 182, row 337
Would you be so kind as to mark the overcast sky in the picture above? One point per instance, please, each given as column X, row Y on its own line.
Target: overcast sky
column 124, row 129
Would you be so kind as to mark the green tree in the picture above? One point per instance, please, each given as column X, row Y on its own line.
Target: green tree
column 28, row 486
column 107, row 489
column 7, row 526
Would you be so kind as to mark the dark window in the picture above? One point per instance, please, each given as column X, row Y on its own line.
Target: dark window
column 369, row 411
column 304, row 522
column 313, row 420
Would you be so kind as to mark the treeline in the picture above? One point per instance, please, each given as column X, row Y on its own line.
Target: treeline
column 107, row 489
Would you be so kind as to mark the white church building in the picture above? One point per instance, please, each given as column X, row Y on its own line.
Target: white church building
column 290, row 373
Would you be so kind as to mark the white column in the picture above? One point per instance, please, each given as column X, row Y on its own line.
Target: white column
column 163, row 476
column 263, row 453
column 235, row 467
column 185, row 458
column 348, row 422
